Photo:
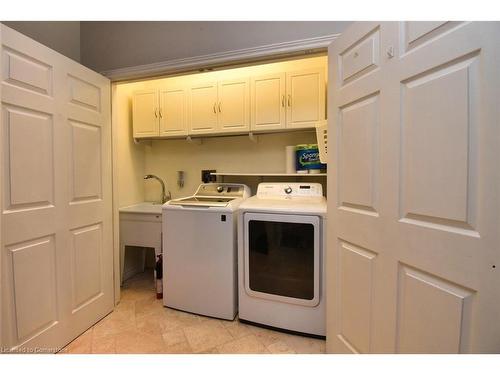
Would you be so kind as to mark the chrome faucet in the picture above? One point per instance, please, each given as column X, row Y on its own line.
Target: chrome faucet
column 164, row 197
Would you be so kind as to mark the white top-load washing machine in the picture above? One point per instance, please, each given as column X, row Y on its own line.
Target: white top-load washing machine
column 200, row 250
column 281, row 252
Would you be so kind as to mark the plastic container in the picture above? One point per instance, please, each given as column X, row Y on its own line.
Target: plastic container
column 308, row 158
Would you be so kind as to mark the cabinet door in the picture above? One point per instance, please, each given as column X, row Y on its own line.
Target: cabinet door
column 145, row 113
column 172, row 112
column 203, row 108
column 268, row 102
column 305, row 98
column 233, row 106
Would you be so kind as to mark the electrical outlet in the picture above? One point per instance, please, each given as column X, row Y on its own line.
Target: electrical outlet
column 206, row 176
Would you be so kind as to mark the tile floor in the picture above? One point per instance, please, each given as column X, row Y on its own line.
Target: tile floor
column 140, row 324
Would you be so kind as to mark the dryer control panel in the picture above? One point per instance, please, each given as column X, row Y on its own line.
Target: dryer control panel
column 289, row 189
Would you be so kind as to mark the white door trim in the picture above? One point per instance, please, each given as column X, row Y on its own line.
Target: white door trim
column 115, row 183
column 1, row 209
column 220, row 59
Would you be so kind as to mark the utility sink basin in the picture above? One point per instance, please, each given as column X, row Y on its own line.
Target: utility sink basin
column 143, row 208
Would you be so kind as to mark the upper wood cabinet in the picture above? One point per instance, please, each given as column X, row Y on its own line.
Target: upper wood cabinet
column 145, row 113
column 172, row 112
column 203, row 108
column 219, row 107
column 288, row 100
column 233, row 108
column 305, row 98
column 159, row 112
column 269, row 97
column 267, row 102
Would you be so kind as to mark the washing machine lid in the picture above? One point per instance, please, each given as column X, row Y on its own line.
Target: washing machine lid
column 202, row 201
column 213, row 195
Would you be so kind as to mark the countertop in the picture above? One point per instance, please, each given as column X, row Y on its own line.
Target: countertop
column 143, row 208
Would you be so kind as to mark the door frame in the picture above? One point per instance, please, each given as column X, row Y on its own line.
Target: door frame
column 115, row 203
column 1, row 207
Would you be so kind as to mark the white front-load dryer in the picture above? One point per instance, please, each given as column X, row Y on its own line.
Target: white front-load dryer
column 281, row 252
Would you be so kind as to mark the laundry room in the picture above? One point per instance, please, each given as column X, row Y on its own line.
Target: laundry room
column 182, row 142
column 298, row 186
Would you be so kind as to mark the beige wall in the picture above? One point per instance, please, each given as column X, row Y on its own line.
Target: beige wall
column 61, row 36
column 129, row 157
column 225, row 154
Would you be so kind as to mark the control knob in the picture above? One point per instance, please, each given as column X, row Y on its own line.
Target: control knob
column 220, row 189
column 288, row 190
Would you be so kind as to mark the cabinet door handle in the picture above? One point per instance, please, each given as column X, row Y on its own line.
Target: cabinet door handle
column 215, row 110
column 159, row 112
column 219, row 107
column 156, row 114
column 282, row 100
column 289, row 100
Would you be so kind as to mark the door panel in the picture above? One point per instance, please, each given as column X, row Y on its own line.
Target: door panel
column 360, row 58
column 34, row 282
column 89, row 202
column 358, row 148
column 416, row 198
column 56, row 141
column 233, row 106
column 173, row 112
column 26, row 72
column 145, row 113
column 86, row 161
column 356, row 279
column 449, row 98
column 203, row 108
column 268, row 102
column 439, row 329
column 305, row 98
column 31, row 177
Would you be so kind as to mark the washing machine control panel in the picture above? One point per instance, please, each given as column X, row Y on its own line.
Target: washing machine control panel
column 289, row 189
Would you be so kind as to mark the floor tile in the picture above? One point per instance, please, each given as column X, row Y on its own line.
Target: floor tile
column 237, row 329
column 244, row 345
column 206, row 335
column 141, row 324
column 267, row 336
column 174, row 337
column 280, row 347
column 305, row 345
column 104, row 345
column 81, row 345
column 136, row 342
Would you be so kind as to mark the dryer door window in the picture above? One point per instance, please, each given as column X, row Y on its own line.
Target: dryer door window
column 282, row 257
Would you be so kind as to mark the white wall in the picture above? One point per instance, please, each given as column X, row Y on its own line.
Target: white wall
column 111, row 45
column 61, row 36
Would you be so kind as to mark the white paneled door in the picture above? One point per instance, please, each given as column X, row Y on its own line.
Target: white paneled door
column 56, row 234
column 414, row 197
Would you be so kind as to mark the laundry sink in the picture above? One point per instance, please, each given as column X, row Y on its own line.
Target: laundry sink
column 143, row 208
